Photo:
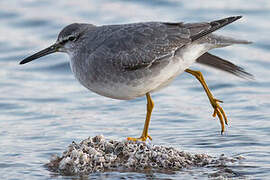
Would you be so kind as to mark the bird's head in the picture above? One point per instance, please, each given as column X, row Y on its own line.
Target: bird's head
column 67, row 39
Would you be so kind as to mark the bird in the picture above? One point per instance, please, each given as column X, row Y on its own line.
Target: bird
column 128, row 61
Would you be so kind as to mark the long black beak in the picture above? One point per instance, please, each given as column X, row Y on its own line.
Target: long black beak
column 49, row 50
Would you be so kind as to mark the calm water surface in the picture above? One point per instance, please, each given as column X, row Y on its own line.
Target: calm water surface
column 43, row 108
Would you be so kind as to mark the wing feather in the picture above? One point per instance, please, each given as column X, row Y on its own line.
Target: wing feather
column 141, row 45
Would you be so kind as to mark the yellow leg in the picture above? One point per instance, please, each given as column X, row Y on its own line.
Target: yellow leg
column 150, row 106
column 214, row 102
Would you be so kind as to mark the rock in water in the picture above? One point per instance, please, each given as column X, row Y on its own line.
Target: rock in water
column 98, row 155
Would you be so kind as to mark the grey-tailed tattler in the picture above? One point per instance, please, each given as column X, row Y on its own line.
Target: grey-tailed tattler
column 127, row 61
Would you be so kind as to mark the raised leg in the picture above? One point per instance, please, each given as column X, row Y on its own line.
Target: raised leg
column 214, row 102
column 150, row 106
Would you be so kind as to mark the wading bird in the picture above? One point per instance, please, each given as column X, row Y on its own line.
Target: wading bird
column 132, row 60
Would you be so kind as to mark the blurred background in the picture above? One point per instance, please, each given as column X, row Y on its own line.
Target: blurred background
column 43, row 108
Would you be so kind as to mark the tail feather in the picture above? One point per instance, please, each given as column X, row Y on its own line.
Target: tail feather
column 226, row 41
column 224, row 65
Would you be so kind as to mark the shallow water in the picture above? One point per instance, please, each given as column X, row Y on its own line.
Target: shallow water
column 43, row 108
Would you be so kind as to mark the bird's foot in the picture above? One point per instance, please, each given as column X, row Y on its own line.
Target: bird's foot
column 142, row 138
column 220, row 112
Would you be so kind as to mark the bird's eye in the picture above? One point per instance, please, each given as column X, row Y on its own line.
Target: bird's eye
column 71, row 38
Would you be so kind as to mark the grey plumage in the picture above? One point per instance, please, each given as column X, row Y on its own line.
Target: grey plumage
column 142, row 44
column 139, row 57
column 132, row 60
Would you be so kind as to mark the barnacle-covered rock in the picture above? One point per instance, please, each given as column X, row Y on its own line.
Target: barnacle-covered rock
column 98, row 154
